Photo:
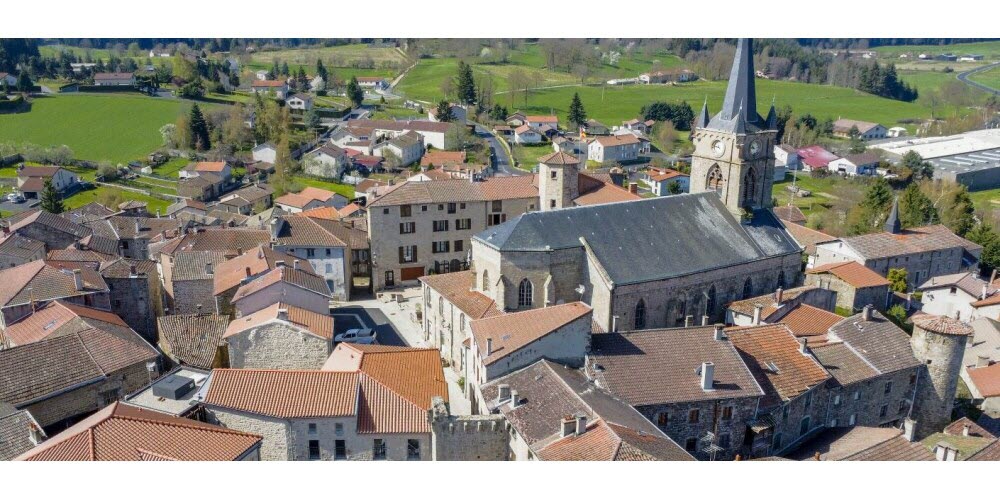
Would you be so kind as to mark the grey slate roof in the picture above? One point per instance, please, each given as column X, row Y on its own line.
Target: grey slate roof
column 650, row 239
column 883, row 344
column 192, row 265
column 739, row 108
column 193, row 339
column 14, row 432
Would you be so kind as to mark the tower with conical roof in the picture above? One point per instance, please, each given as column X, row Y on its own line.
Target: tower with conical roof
column 892, row 224
column 734, row 149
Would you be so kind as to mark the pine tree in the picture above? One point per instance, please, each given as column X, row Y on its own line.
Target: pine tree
column 577, row 115
column 199, row 130
column 984, row 234
column 355, row 93
column 51, row 199
column 284, row 69
column 443, row 111
column 273, row 73
column 24, row 82
column 915, row 208
column 959, row 212
column 466, row 84
column 873, row 209
column 321, row 70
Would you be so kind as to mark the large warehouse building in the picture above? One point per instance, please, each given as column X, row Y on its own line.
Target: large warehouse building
column 972, row 158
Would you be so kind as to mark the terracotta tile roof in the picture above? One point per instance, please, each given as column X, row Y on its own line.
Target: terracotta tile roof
column 746, row 306
column 957, row 428
column 303, row 231
column 616, row 140
column 41, row 281
column 851, row 273
column 41, row 369
column 910, row 241
column 668, row 361
column 285, row 393
column 513, row 331
column 21, row 247
column 843, row 363
column 123, row 268
column 48, row 320
column 458, row 190
column 542, row 118
column 809, row 322
column 879, row 341
column 118, row 227
column 317, row 324
column 384, row 411
column 346, row 231
column 231, row 241
column 38, row 171
column 15, row 431
column 122, row 432
column 296, row 277
column 253, row 262
column 328, row 213
column 439, row 158
column 88, row 212
column 666, row 175
column 897, row 449
column 457, row 288
column 559, row 158
column 196, row 265
column 790, row 213
column 50, row 221
column 414, row 374
column 772, row 354
column 193, row 339
column 988, row 453
column 942, row 324
column 73, row 254
column 597, row 192
column 986, row 380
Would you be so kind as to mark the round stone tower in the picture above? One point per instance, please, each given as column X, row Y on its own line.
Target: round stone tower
column 939, row 343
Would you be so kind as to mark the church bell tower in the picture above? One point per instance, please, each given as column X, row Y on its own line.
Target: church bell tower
column 734, row 150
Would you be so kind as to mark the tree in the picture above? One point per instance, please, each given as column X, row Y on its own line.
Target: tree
column 674, row 187
column 871, row 213
column 354, row 92
column 680, row 114
column 577, row 115
column 784, row 114
column 321, row 70
column 199, row 138
column 51, row 199
column 915, row 208
column 443, row 111
column 498, row 113
column 920, row 168
column 897, row 314
column 983, row 234
column 466, row 84
column 957, row 210
column 24, row 82
column 897, row 279
column 283, row 166
column 311, row 119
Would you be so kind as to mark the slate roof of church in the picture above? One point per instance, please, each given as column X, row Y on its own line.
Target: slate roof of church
column 637, row 241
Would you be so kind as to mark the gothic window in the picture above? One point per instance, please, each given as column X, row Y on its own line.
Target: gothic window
column 747, row 289
column 682, row 309
column 781, row 278
column 715, row 181
column 640, row 315
column 749, row 188
column 486, row 281
column 710, row 302
column 524, row 293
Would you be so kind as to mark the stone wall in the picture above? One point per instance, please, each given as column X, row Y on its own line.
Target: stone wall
column 190, row 294
column 710, row 419
column 52, row 238
column 467, row 437
column 138, row 302
column 68, row 406
column 278, row 346
column 865, row 399
column 942, row 355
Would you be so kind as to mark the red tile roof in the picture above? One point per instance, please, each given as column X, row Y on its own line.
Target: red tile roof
column 231, row 273
column 320, row 325
column 772, row 354
column 811, row 323
column 414, row 374
column 513, row 331
column 458, row 289
column 851, row 273
column 47, row 320
column 285, row 393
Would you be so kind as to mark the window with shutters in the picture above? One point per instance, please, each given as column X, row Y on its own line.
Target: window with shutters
column 452, row 208
column 463, row 224
column 407, row 227
column 407, row 254
column 441, row 246
column 440, row 225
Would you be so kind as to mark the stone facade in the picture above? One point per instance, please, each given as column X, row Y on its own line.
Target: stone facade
column 138, row 301
column 446, row 327
column 861, row 403
column 289, row 439
column 278, row 346
column 849, row 297
column 61, row 411
column 467, row 437
column 710, row 418
column 942, row 355
column 193, row 296
column 920, row 266
column 794, row 420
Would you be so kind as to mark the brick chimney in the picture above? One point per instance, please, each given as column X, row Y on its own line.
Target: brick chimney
column 633, row 187
column 707, row 375
column 719, row 332
column 757, row 312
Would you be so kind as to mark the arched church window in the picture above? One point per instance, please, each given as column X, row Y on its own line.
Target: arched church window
column 747, row 289
column 749, row 187
column 715, row 181
column 710, row 301
column 486, row 281
column 640, row 315
column 524, row 293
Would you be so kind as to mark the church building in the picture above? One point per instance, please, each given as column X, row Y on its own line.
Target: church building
column 658, row 262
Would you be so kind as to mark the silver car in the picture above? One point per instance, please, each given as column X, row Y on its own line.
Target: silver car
column 357, row 336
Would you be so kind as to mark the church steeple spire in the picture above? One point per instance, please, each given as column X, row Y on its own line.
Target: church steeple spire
column 741, row 94
column 701, row 121
column 772, row 118
column 892, row 224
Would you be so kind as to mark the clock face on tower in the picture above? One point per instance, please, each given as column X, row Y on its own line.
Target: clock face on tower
column 754, row 148
column 718, row 148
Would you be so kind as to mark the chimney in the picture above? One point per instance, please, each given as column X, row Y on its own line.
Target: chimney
column 567, row 426
column 866, row 313
column 78, row 279
column 157, row 213
column 295, row 264
column 803, row 346
column 279, row 263
column 965, row 430
column 945, row 453
column 260, row 252
column 719, row 332
column 633, row 187
column 909, row 428
column 704, row 320
column 581, row 423
column 131, row 270
column 982, row 361
column 993, row 276
column 504, row 392
column 198, row 307
column 138, row 227
column 283, row 314
column 515, row 399
column 707, row 375
column 778, row 295
column 208, row 268
column 249, row 274
column 489, row 346
column 687, row 320
column 6, row 229
column 757, row 310
column 909, row 301
column 986, row 291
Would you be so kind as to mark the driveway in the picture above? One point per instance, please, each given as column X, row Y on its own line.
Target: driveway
column 502, row 163
column 346, row 318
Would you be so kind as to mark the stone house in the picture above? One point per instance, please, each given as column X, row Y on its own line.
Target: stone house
column 233, row 273
column 30, row 286
column 556, row 413
column 692, row 383
column 327, row 160
column 53, row 230
column 16, row 250
column 370, row 413
column 133, row 234
column 613, row 148
column 231, row 242
column 192, row 281
column 501, row 344
column 449, row 304
column 136, row 294
column 248, row 200
column 770, row 308
column 123, row 433
column 959, row 296
column 206, row 186
column 856, row 285
column 84, row 368
column 280, row 337
column 194, row 339
column 316, row 241
column 289, row 285
column 19, row 429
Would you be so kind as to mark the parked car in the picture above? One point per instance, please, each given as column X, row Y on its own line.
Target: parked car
column 357, row 336
column 15, row 197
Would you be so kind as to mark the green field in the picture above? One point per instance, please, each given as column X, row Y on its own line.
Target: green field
column 989, row 49
column 341, row 55
column 96, row 127
column 344, row 189
column 423, row 82
column 990, row 77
